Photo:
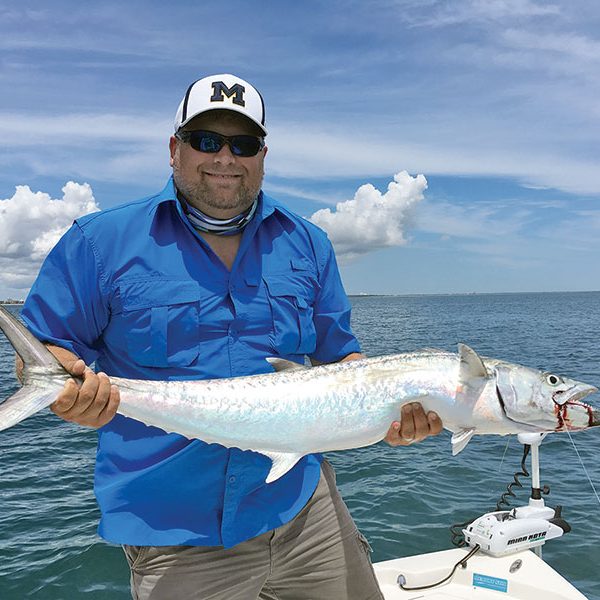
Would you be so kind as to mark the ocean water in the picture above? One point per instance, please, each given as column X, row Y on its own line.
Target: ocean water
column 403, row 499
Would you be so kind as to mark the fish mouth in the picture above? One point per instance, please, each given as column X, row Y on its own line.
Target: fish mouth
column 573, row 413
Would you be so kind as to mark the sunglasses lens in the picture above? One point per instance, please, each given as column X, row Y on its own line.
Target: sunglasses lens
column 245, row 145
column 205, row 141
column 241, row 145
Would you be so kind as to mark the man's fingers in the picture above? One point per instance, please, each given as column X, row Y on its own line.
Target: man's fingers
column 75, row 399
column 435, row 423
column 407, row 425
column 101, row 397
column 93, row 404
column 104, row 407
column 87, row 394
column 110, row 410
column 77, row 368
column 415, row 425
column 66, row 399
column 421, row 423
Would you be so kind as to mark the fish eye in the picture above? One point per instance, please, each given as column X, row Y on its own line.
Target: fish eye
column 553, row 379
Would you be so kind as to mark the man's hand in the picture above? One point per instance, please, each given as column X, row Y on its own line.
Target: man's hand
column 413, row 426
column 94, row 403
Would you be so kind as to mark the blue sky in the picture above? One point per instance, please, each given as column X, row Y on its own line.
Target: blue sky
column 495, row 102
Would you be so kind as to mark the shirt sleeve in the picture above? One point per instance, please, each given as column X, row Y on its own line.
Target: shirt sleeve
column 332, row 309
column 66, row 305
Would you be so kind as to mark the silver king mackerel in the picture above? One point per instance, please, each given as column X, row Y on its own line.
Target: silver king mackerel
column 297, row 410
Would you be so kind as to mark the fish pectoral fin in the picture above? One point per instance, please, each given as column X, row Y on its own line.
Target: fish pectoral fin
column 282, row 463
column 460, row 439
column 280, row 364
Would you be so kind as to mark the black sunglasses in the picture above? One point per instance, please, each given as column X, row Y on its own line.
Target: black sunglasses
column 209, row 141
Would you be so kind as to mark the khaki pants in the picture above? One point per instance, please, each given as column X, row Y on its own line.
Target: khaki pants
column 320, row 555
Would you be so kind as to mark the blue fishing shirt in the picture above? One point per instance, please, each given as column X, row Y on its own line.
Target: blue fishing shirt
column 138, row 291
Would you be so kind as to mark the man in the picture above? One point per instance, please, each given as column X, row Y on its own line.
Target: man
column 204, row 280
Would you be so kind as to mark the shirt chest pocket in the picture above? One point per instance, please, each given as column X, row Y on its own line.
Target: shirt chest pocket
column 291, row 298
column 160, row 321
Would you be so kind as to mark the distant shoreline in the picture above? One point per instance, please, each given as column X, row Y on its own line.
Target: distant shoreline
column 11, row 302
column 420, row 295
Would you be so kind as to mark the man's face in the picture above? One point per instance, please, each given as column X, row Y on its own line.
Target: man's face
column 220, row 184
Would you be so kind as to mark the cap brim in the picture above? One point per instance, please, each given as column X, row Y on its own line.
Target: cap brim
column 261, row 128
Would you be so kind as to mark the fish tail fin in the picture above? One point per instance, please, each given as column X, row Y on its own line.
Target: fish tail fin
column 36, row 357
column 29, row 400
column 26, row 345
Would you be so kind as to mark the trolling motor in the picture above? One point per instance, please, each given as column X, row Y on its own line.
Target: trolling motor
column 508, row 531
column 505, row 532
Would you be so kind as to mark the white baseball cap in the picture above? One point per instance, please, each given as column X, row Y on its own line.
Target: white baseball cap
column 221, row 92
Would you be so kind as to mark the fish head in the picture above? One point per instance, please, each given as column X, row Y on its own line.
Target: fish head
column 544, row 400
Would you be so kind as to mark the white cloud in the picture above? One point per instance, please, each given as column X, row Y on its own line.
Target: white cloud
column 479, row 220
column 104, row 147
column 523, row 235
column 372, row 220
column 441, row 14
column 83, row 128
column 577, row 47
column 30, row 225
column 443, row 146
column 297, row 191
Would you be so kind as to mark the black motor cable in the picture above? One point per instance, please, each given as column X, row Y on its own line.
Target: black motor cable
column 462, row 562
column 503, row 502
column 457, row 535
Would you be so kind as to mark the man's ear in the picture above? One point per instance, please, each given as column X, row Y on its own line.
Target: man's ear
column 172, row 149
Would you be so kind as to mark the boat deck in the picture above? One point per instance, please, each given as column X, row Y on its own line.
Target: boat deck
column 485, row 577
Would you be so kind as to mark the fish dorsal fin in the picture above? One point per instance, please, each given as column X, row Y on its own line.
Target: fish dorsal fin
column 472, row 377
column 460, row 439
column 280, row 364
column 282, row 463
column 471, row 363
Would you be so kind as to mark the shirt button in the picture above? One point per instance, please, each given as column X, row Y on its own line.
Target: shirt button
column 232, row 479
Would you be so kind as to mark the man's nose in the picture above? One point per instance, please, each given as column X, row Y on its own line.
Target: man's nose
column 224, row 155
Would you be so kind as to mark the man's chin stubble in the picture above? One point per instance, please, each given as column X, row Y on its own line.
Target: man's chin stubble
column 201, row 195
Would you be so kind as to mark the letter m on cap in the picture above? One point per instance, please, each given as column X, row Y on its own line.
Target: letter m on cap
column 220, row 90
